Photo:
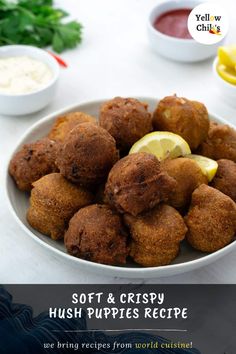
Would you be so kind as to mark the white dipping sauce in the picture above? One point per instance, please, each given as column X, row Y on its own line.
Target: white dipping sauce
column 23, row 74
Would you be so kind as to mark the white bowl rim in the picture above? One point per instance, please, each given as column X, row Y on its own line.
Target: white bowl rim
column 121, row 271
column 163, row 35
column 227, row 84
column 28, row 48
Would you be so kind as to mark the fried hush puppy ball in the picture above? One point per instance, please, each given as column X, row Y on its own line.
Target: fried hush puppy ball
column 150, row 257
column 96, row 233
column 64, row 124
column 53, row 201
column 156, row 235
column 136, row 183
column 181, row 116
column 188, row 176
column 87, row 154
column 211, row 219
column 220, row 143
column 225, row 178
column 126, row 119
column 33, row 161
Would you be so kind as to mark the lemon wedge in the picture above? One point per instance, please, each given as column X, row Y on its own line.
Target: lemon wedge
column 226, row 73
column 227, row 56
column 208, row 166
column 162, row 144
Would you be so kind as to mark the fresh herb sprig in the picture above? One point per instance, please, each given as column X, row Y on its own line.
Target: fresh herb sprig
column 38, row 23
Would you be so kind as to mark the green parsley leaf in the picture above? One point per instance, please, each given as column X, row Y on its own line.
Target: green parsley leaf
column 37, row 22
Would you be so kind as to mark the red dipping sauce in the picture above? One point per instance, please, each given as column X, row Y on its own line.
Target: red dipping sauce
column 174, row 23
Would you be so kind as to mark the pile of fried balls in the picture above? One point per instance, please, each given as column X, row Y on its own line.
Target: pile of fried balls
column 108, row 205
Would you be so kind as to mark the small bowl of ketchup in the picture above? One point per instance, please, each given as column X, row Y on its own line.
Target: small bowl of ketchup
column 169, row 36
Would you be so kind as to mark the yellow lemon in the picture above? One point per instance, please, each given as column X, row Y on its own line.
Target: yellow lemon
column 226, row 73
column 162, row 144
column 208, row 166
column 227, row 56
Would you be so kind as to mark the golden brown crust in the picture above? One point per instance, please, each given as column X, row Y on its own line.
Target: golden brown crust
column 211, row 219
column 220, row 143
column 64, row 124
column 136, row 183
column 188, row 176
column 96, row 233
column 53, row 201
column 87, row 155
column 126, row 119
column 33, row 161
column 225, row 178
column 181, row 116
column 160, row 226
column 156, row 235
column 150, row 258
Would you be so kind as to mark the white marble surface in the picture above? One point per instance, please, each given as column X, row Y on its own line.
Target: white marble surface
column 114, row 59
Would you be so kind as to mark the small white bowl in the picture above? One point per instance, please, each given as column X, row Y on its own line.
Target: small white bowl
column 227, row 90
column 29, row 102
column 178, row 49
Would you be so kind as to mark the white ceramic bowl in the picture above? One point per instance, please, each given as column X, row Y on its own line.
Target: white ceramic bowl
column 188, row 258
column 185, row 50
column 227, row 90
column 29, row 102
